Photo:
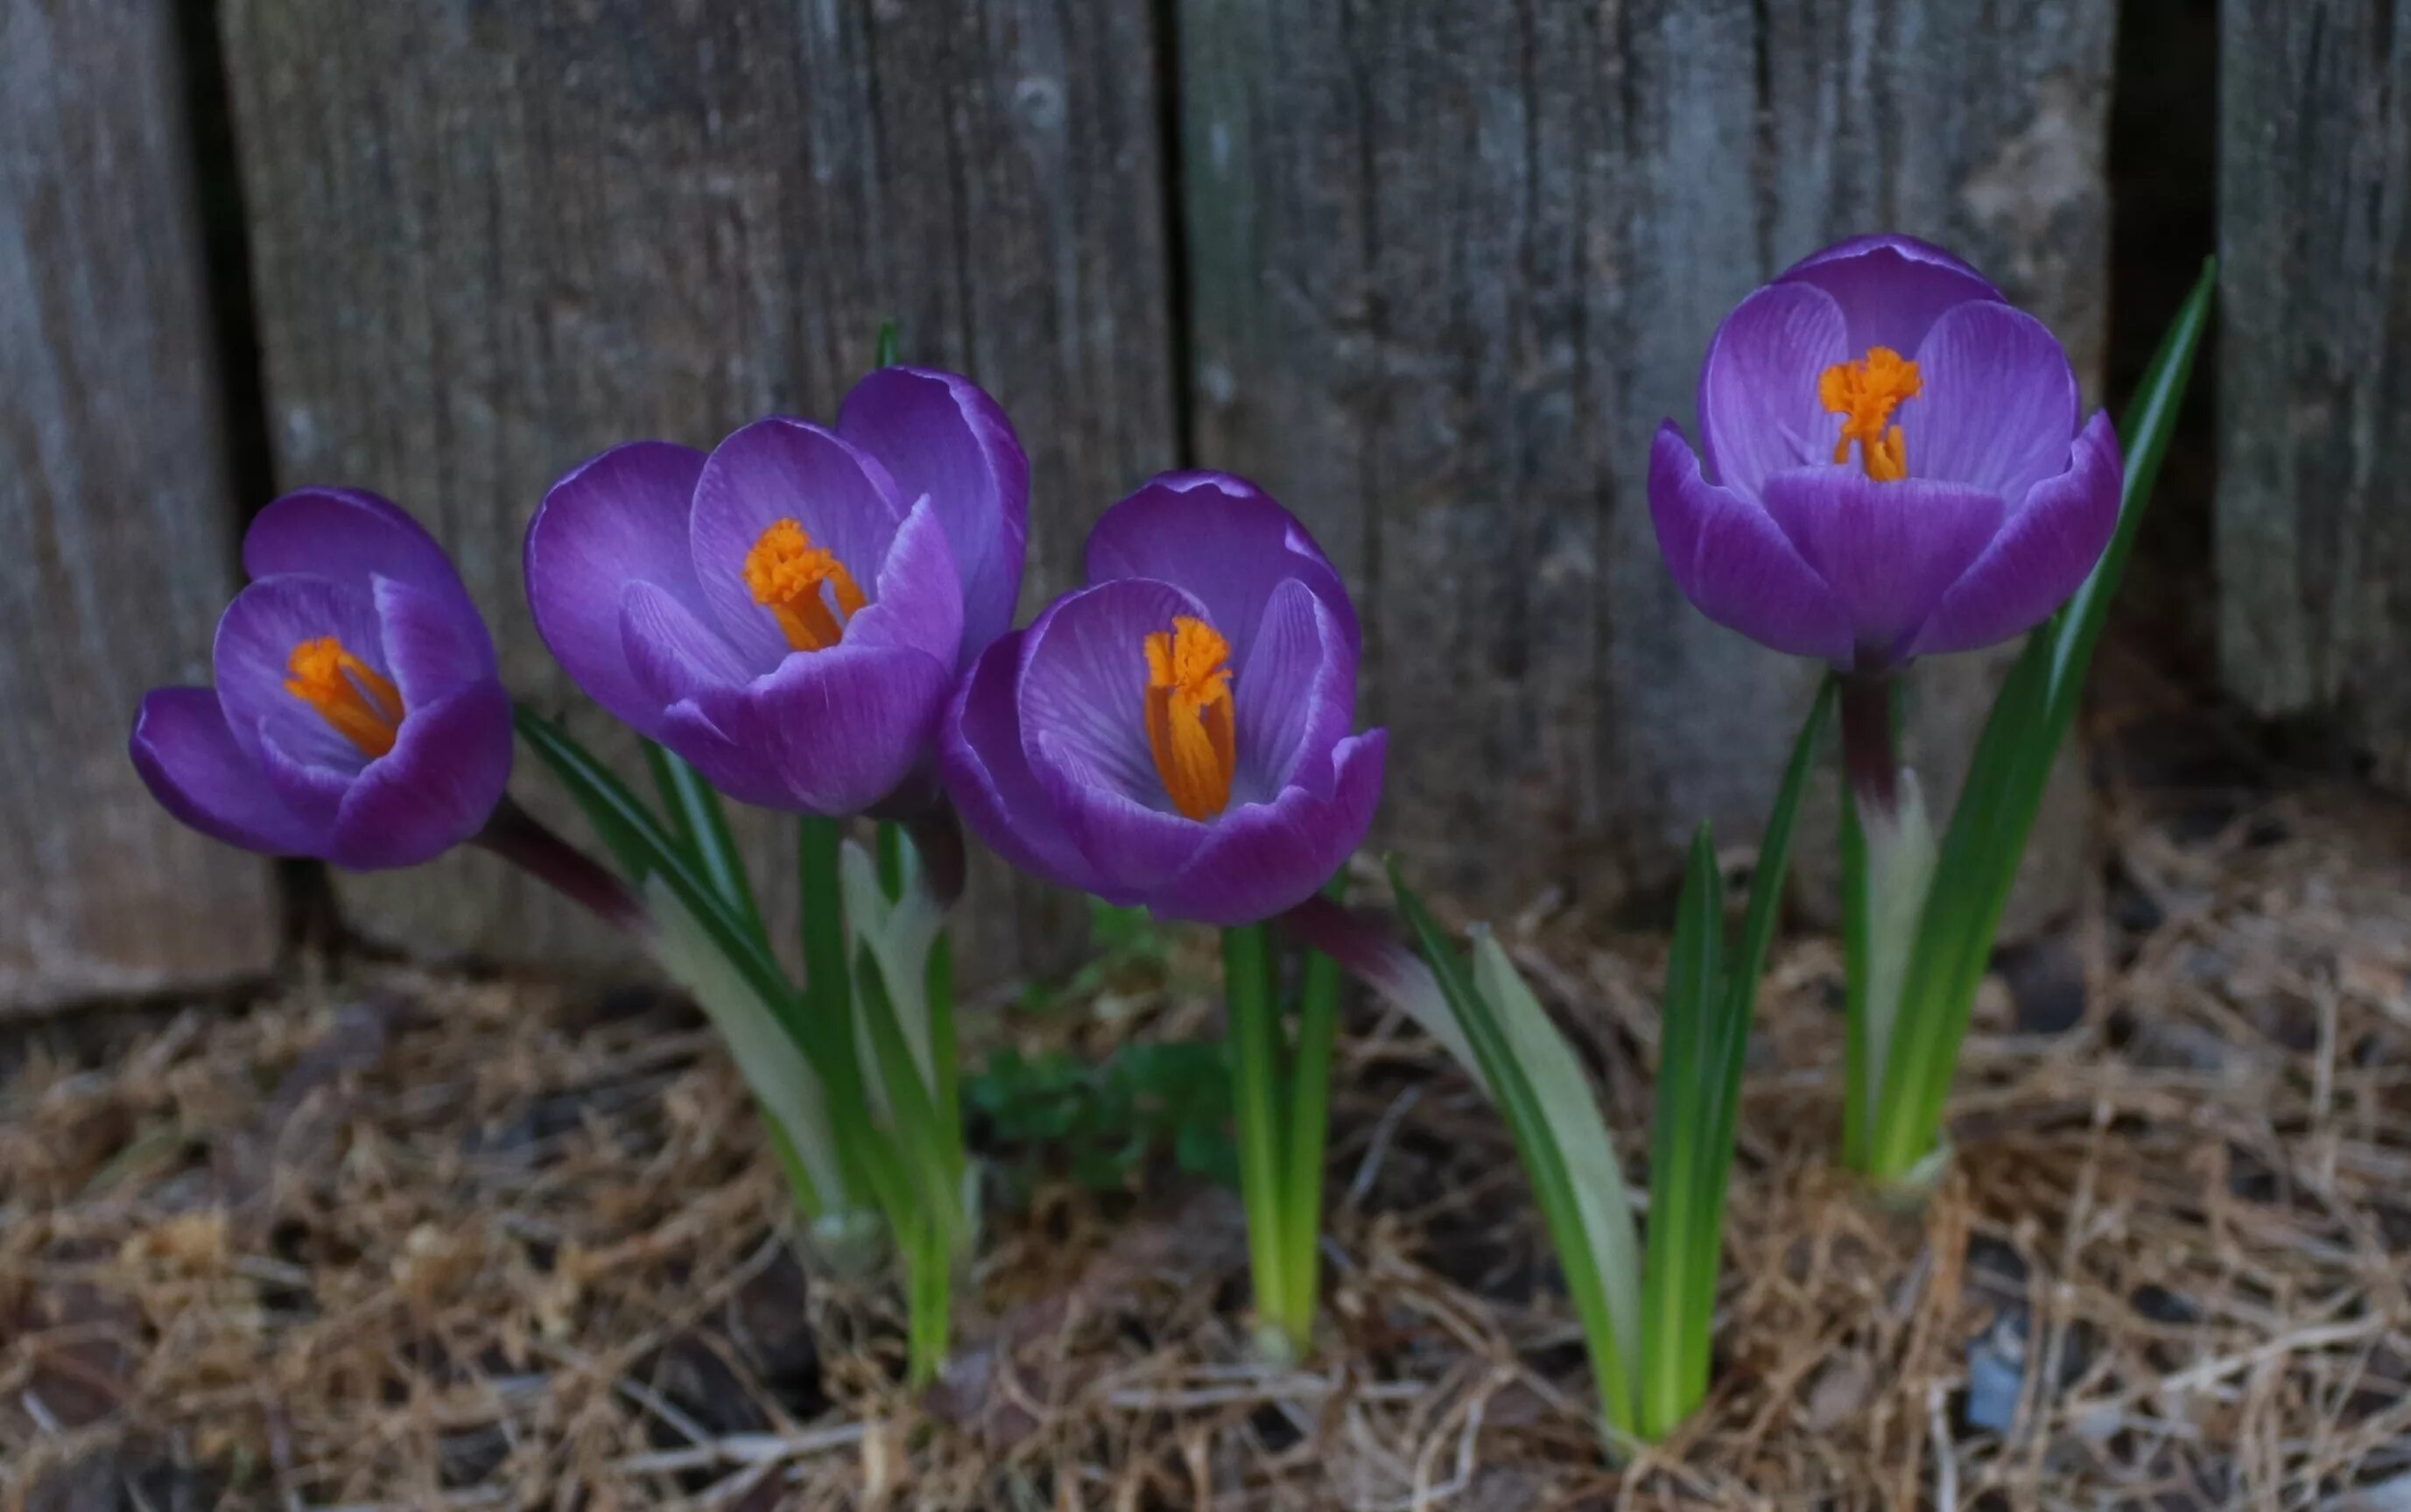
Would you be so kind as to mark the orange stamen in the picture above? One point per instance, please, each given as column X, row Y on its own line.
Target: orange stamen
column 786, row 570
column 1188, row 716
column 347, row 693
column 1865, row 393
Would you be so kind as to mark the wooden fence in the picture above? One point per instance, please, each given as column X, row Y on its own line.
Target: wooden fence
column 1430, row 271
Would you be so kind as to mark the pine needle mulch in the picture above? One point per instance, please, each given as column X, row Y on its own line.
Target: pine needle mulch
column 421, row 1241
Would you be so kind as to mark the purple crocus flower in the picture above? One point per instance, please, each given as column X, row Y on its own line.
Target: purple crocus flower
column 1177, row 734
column 1894, row 463
column 357, row 717
column 789, row 612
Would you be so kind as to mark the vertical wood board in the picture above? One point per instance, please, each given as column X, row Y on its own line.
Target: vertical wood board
column 1452, row 263
column 113, row 510
column 491, row 241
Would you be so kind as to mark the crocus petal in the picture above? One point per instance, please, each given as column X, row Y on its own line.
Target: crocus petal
column 1998, row 404
column 672, row 653
column 1296, row 697
column 1084, row 681
column 432, row 646
column 2040, row 557
column 782, row 469
column 254, row 654
column 619, row 518
column 1758, row 411
column 434, row 790
column 350, row 536
column 1132, row 846
column 1736, row 564
column 987, row 775
column 844, row 726
column 738, row 760
column 193, row 765
column 940, row 437
column 1264, row 858
column 1223, row 540
column 1889, row 550
column 918, row 600
column 1891, row 288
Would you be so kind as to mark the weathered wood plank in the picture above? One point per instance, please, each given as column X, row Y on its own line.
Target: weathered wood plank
column 1451, row 264
column 2314, row 540
column 494, row 240
column 113, row 502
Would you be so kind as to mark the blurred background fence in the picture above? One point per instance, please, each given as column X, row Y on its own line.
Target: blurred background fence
column 1431, row 271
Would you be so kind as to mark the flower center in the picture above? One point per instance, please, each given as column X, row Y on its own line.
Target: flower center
column 347, row 693
column 1865, row 393
column 1188, row 716
column 786, row 572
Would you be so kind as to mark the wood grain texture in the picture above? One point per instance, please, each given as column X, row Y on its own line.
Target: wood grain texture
column 114, row 513
column 491, row 239
column 1450, row 263
column 2314, row 512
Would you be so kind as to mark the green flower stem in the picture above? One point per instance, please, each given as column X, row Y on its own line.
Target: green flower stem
column 1309, row 1127
column 1866, row 743
column 1255, row 1078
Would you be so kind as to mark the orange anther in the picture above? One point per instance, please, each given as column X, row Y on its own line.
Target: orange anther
column 1189, row 722
column 786, row 571
column 348, row 693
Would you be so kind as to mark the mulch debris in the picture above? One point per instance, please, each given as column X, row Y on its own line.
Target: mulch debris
column 409, row 1239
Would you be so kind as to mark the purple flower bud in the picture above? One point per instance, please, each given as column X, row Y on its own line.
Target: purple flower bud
column 789, row 612
column 1894, row 463
column 357, row 717
column 1177, row 734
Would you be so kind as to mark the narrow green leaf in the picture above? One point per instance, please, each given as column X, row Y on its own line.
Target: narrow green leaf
column 1677, row 1132
column 626, row 828
column 646, row 850
column 1545, row 1163
column 766, row 1054
column 2151, row 424
column 1571, row 1109
column 2006, row 780
column 900, row 930
column 885, row 354
column 946, row 1056
column 929, row 1302
column 1728, row 1042
column 700, row 823
column 914, row 1116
